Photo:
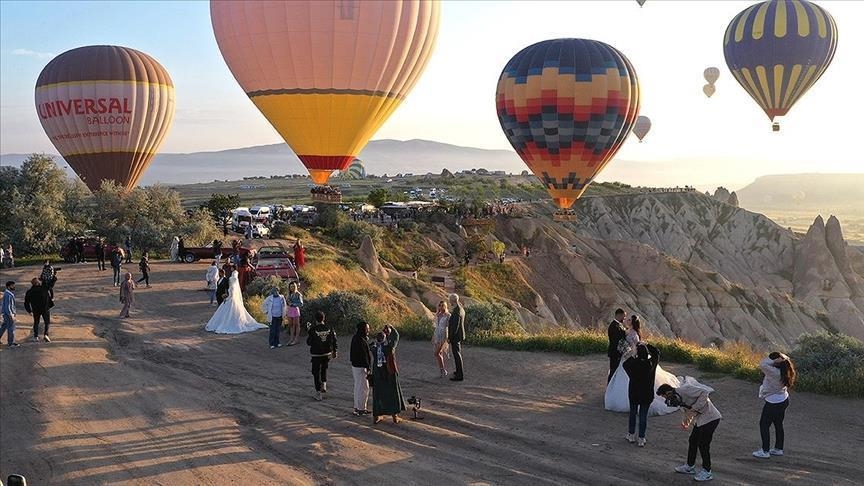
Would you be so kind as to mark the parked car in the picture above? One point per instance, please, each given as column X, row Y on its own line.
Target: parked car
column 192, row 254
column 260, row 231
column 67, row 251
column 274, row 260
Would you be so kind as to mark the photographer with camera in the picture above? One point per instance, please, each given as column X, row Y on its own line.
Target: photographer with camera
column 693, row 397
column 386, row 393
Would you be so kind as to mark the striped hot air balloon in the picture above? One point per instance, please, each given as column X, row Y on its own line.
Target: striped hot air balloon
column 106, row 109
column 641, row 127
column 326, row 73
column 778, row 49
column 356, row 170
column 566, row 106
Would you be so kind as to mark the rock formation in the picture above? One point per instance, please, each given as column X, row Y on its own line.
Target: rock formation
column 368, row 257
column 733, row 199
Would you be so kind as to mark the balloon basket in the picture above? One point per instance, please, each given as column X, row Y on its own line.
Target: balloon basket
column 326, row 194
column 775, row 127
column 564, row 215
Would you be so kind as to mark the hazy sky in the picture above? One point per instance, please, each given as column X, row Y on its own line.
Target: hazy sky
column 726, row 138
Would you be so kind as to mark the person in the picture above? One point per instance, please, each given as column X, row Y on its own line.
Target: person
column 116, row 264
column 641, row 370
column 127, row 295
column 100, row 254
column 175, row 249
column 217, row 250
column 617, row 397
column 231, row 317
column 439, row 336
column 48, row 277
column 780, row 376
column 144, row 266
column 181, row 249
column 222, row 286
column 275, row 306
column 38, row 303
column 245, row 272
column 248, row 233
column 9, row 314
column 295, row 303
column 386, row 393
column 693, row 397
column 616, row 333
column 212, row 277
column 299, row 255
column 79, row 250
column 455, row 335
column 8, row 257
column 322, row 347
column 361, row 368
column 128, row 245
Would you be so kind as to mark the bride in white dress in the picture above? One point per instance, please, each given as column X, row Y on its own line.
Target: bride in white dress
column 617, row 391
column 231, row 317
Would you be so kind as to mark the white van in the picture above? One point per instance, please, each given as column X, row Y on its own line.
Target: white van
column 260, row 213
column 240, row 219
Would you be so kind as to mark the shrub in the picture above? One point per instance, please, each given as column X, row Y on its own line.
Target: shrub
column 347, row 263
column 831, row 364
column 352, row 232
column 253, row 305
column 491, row 318
column 416, row 328
column 343, row 310
column 262, row 286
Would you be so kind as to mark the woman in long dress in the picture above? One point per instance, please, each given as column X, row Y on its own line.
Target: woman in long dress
column 231, row 317
column 386, row 392
column 439, row 337
column 617, row 397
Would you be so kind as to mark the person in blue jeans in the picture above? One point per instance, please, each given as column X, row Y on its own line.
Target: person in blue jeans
column 9, row 313
column 641, row 370
column 276, row 307
column 116, row 264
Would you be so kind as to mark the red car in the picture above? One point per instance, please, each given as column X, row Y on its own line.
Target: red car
column 67, row 251
column 274, row 260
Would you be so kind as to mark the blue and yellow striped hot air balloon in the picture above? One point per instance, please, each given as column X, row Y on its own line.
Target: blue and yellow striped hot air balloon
column 778, row 49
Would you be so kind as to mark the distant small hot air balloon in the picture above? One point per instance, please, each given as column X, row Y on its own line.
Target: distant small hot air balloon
column 106, row 109
column 566, row 106
column 326, row 73
column 708, row 89
column 712, row 74
column 641, row 2
column 778, row 49
column 641, row 127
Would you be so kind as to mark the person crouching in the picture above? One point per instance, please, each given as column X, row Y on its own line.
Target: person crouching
column 694, row 399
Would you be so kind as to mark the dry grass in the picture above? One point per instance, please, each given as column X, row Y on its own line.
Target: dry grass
column 494, row 282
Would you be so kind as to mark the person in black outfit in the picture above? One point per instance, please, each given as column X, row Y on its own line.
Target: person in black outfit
column 79, row 250
column 100, row 255
column 144, row 266
column 322, row 347
column 456, row 334
column 221, row 287
column 38, row 302
column 641, row 370
column 617, row 332
column 361, row 368
column 116, row 264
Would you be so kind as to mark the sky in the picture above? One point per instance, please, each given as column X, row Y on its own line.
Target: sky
column 726, row 138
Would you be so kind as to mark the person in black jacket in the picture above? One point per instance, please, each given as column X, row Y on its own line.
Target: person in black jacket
column 222, row 287
column 37, row 301
column 322, row 347
column 361, row 367
column 100, row 254
column 617, row 332
column 641, row 370
column 456, row 334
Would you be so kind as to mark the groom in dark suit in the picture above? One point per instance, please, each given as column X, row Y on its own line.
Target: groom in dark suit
column 456, row 334
column 617, row 332
column 221, row 287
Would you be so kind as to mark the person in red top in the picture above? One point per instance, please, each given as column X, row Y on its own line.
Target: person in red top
column 299, row 255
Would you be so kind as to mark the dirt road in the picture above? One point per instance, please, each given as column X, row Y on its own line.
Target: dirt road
column 157, row 400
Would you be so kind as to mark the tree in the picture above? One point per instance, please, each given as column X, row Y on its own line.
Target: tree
column 498, row 248
column 220, row 204
column 377, row 197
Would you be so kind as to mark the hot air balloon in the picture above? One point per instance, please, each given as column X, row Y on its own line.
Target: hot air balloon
column 326, row 73
column 641, row 127
column 708, row 89
column 106, row 109
column 566, row 106
column 641, row 2
column 712, row 74
column 356, row 170
column 778, row 49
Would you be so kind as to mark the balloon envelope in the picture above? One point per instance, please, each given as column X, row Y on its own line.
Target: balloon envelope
column 712, row 74
column 641, row 127
column 106, row 109
column 326, row 74
column 778, row 49
column 708, row 89
column 566, row 106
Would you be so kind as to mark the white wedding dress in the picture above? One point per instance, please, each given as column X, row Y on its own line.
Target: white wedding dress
column 617, row 391
column 231, row 317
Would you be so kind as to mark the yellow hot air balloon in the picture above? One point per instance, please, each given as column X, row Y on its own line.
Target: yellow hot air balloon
column 326, row 73
column 712, row 74
column 641, row 127
column 106, row 109
column 708, row 89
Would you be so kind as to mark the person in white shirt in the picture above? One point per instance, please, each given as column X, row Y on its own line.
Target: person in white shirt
column 211, row 278
column 780, row 375
column 275, row 306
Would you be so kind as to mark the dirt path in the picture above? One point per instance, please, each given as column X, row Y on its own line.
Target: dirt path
column 156, row 400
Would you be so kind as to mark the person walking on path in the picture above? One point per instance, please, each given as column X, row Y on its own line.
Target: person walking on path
column 8, row 257
column 386, row 393
column 439, row 337
column 361, row 368
column 641, row 370
column 295, row 303
column 144, row 266
column 275, row 306
column 116, row 264
column 127, row 295
column 100, row 254
column 8, row 307
column 212, row 279
column 322, row 347
column 780, row 376
column 694, row 399
column 181, row 249
column 456, row 334
column 175, row 249
column 617, row 332
column 38, row 303
column 128, row 245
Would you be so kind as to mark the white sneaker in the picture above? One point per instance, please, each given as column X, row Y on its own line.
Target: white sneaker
column 703, row 475
column 641, row 442
column 35, row 339
column 631, row 438
column 761, row 454
column 773, row 452
column 685, row 469
column 48, row 340
column 272, row 347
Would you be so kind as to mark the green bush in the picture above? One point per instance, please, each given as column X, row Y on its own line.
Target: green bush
column 263, row 286
column 416, row 328
column 342, row 310
column 253, row 305
column 352, row 232
column 830, row 364
column 490, row 319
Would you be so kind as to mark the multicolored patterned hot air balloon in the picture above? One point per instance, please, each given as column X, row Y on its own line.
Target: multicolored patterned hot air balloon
column 641, row 127
column 106, row 109
column 566, row 106
column 708, row 89
column 326, row 73
column 712, row 74
column 356, row 170
column 778, row 49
